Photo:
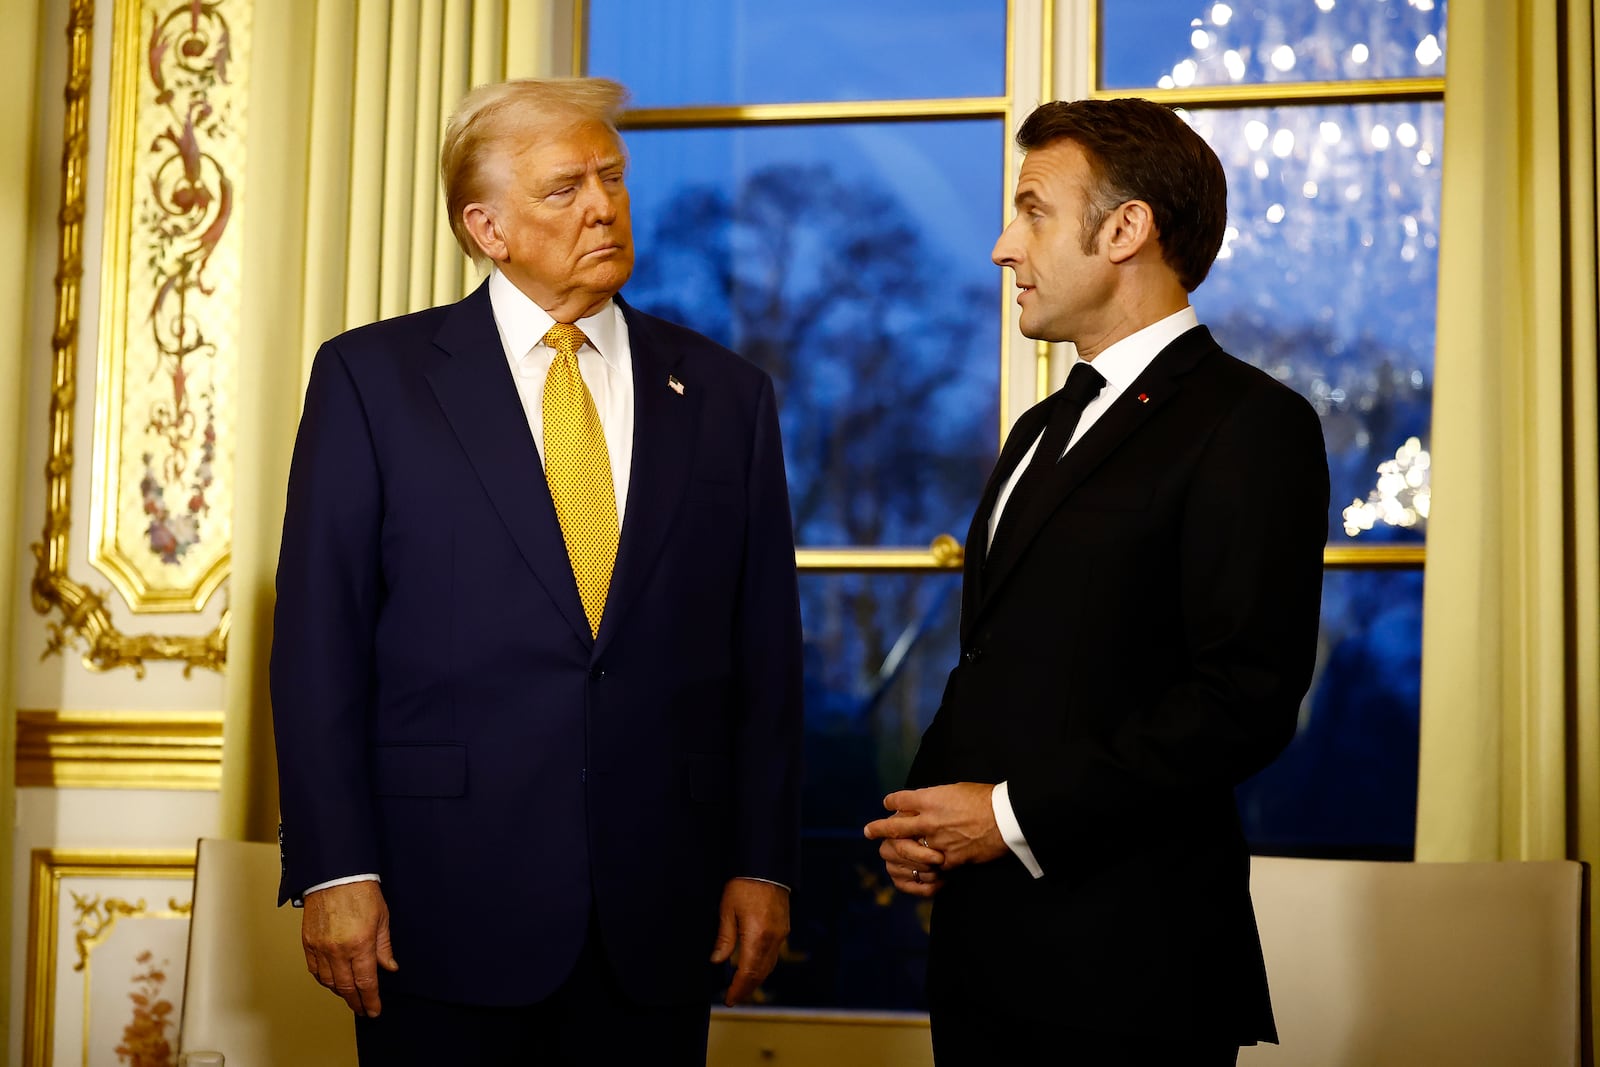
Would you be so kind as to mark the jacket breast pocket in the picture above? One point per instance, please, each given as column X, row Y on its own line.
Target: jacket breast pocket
column 419, row 770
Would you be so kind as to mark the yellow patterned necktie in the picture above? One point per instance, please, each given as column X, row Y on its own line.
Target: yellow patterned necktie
column 578, row 468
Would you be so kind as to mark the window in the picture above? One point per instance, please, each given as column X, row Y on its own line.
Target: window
column 1328, row 116
column 819, row 186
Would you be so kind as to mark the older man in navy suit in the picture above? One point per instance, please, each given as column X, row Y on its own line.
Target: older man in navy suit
column 536, row 664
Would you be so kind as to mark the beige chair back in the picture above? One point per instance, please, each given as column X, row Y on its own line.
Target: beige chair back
column 247, row 994
column 1416, row 964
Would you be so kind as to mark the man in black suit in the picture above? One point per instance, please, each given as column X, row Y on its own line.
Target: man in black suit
column 1138, row 625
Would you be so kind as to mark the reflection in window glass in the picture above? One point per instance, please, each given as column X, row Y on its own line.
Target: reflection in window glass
column 877, row 651
column 851, row 262
column 685, row 52
column 1327, row 279
column 1176, row 44
column 1347, row 785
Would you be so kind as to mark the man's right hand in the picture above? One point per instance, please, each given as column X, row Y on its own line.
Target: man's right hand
column 345, row 934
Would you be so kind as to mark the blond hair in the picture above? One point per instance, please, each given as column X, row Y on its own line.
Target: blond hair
column 491, row 116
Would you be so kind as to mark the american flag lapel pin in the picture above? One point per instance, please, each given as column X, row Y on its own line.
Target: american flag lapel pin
column 675, row 385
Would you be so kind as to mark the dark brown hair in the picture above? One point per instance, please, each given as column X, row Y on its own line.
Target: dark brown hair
column 1140, row 150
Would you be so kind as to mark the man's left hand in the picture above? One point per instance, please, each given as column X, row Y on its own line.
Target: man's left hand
column 957, row 820
column 754, row 922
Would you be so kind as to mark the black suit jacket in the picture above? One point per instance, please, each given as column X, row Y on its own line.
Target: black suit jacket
column 1139, row 644
column 445, row 718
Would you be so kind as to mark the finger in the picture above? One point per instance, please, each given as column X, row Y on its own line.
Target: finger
column 727, row 936
column 385, row 947
column 901, row 825
column 324, row 968
column 311, row 962
column 916, row 889
column 914, row 874
column 366, row 974
column 748, row 978
column 909, row 852
column 905, row 801
column 744, row 983
column 344, row 984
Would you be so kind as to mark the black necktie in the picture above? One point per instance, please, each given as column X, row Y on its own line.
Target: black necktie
column 1083, row 385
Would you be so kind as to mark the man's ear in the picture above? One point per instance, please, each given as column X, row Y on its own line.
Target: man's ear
column 480, row 223
column 1133, row 226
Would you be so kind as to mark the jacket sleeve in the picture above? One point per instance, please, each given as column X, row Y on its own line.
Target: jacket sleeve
column 329, row 595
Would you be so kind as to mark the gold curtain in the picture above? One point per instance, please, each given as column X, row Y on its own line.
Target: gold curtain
column 1510, row 763
column 18, row 75
column 345, row 225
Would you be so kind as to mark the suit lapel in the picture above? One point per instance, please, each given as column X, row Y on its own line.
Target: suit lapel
column 475, row 389
column 1158, row 384
column 1023, row 432
column 663, row 451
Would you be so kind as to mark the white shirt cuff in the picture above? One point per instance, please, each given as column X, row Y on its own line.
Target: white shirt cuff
column 768, row 881
column 1011, row 830
column 341, row 881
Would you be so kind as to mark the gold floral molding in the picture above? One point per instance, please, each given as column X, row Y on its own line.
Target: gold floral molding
column 83, row 614
column 161, row 507
column 119, row 749
column 97, row 916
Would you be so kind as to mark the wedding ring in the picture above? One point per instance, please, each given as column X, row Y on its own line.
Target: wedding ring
column 916, row 876
column 923, row 841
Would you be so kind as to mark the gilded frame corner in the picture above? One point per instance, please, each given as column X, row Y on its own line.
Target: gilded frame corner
column 79, row 613
column 47, row 869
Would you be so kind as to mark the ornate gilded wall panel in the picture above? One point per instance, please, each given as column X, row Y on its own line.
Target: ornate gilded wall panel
column 160, row 522
column 164, row 397
column 107, row 934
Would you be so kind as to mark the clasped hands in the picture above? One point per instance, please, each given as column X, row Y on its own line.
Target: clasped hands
column 934, row 830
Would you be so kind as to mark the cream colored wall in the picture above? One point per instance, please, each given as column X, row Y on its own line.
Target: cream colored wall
column 93, row 819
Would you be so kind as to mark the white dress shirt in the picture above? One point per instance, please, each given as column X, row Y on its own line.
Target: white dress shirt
column 1119, row 365
column 606, row 363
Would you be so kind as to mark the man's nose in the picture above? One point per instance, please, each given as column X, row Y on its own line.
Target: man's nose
column 1005, row 251
column 600, row 202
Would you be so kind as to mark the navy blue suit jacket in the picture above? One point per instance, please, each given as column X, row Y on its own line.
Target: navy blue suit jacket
column 443, row 716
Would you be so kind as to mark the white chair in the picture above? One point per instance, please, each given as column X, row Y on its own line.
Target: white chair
column 1417, row 964
column 247, row 994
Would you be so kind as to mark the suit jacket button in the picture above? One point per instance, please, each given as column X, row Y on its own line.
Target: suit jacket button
column 597, row 673
column 972, row 655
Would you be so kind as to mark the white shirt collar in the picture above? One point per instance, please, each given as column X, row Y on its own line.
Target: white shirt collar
column 1124, row 361
column 523, row 324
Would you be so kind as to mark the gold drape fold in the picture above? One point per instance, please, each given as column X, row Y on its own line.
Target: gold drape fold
column 345, row 225
column 1510, row 759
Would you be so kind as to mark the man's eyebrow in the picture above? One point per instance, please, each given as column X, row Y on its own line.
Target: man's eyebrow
column 1026, row 198
column 566, row 175
column 572, row 174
